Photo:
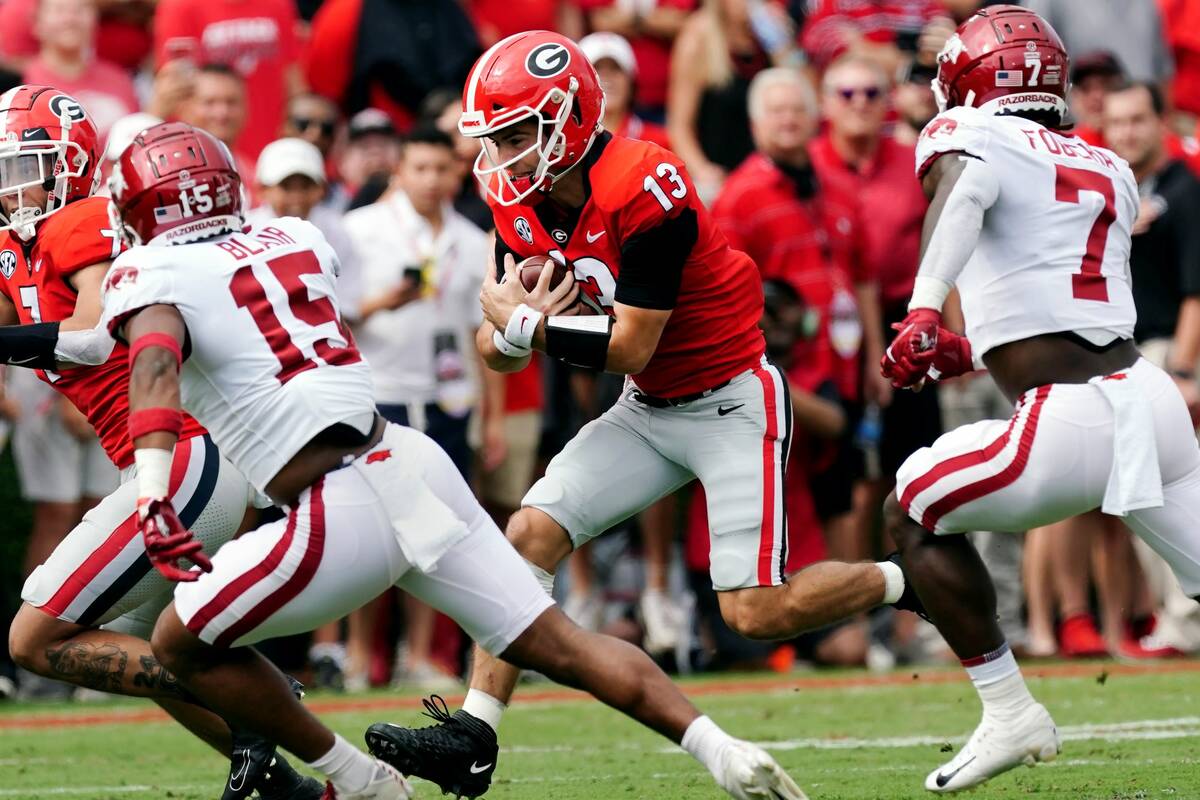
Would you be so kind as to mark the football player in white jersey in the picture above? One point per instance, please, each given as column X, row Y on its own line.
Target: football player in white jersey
column 1032, row 226
column 274, row 375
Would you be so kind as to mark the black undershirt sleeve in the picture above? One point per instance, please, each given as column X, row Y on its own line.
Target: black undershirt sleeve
column 652, row 262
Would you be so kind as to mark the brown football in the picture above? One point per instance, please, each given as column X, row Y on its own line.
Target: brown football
column 531, row 269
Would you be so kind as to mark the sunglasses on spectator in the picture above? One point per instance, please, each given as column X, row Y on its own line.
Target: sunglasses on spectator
column 326, row 126
column 871, row 93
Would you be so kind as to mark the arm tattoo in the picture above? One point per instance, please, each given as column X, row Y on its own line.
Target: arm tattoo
column 100, row 667
column 155, row 676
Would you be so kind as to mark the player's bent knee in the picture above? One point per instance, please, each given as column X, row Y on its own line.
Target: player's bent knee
column 28, row 640
column 905, row 533
column 538, row 538
column 751, row 612
column 172, row 642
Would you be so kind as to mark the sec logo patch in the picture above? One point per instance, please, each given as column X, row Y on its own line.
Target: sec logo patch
column 521, row 226
column 8, row 263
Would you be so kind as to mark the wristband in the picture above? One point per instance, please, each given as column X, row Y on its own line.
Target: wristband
column 928, row 293
column 153, row 420
column 153, row 472
column 521, row 326
column 508, row 348
column 156, row 339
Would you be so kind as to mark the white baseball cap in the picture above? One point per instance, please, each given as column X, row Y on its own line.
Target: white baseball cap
column 284, row 158
column 602, row 44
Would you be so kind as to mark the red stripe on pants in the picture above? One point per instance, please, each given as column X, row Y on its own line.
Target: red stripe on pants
column 309, row 562
column 766, row 544
column 992, row 483
column 112, row 546
column 955, row 464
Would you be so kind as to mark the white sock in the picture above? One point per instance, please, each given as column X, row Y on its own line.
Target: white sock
column 482, row 705
column 348, row 768
column 998, row 681
column 893, row 581
column 704, row 741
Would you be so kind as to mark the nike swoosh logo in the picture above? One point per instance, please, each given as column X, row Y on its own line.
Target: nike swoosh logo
column 523, row 321
column 475, row 770
column 591, row 237
column 17, row 362
column 941, row 780
column 723, row 410
column 238, row 778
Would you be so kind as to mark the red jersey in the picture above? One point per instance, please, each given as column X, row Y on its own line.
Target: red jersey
column 635, row 187
column 34, row 277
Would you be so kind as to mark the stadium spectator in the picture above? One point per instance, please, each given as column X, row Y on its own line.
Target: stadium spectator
column 498, row 19
column 423, row 263
column 1093, row 76
column 388, row 55
column 291, row 181
column 314, row 119
column 441, row 110
column 66, row 33
column 885, row 31
column 1165, row 265
column 122, row 32
column 650, row 27
column 613, row 58
column 370, row 158
column 255, row 38
column 1181, row 24
column 718, row 52
column 914, row 102
column 217, row 102
column 1129, row 29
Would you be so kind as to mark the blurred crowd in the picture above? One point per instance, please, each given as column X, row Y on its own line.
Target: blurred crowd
column 797, row 121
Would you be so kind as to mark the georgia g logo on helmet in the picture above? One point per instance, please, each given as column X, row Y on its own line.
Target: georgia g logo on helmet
column 63, row 106
column 547, row 60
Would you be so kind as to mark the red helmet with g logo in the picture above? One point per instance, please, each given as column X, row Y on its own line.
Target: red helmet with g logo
column 173, row 185
column 1008, row 60
column 537, row 75
column 47, row 141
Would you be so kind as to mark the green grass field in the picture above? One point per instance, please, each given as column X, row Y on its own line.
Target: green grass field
column 1130, row 733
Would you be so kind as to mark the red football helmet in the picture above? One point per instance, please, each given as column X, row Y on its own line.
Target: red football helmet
column 173, row 185
column 1008, row 60
column 540, row 75
column 47, row 141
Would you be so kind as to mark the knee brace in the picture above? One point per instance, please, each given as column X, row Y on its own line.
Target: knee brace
column 546, row 579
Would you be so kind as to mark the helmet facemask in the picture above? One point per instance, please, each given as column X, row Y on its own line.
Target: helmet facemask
column 46, row 165
column 549, row 144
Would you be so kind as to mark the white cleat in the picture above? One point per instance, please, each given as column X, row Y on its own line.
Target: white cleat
column 998, row 746
column 388, row 784
column 749, row 773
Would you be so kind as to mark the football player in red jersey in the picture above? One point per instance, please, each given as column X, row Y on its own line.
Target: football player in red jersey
column 677, row 310
column 89, row 609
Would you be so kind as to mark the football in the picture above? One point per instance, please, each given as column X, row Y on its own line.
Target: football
column 531, row 268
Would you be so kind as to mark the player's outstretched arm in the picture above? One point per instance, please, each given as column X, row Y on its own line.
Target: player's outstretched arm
column 961, row 189
column 156, row 334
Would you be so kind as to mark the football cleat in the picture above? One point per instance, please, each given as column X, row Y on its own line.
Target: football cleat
column 388, row 784
column 254, row 765
column 747, row 772
column 458, row 753
column 997, row 746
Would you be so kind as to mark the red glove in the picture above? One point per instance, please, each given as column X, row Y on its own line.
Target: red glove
column 953, row 357
column 167, row 540
column 911, row 353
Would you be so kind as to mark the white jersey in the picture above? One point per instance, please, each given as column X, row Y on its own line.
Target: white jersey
column 271, row 364
column 1053, row 255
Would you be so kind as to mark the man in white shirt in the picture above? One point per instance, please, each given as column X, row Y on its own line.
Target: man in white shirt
column 422, row 266
column 291, row 181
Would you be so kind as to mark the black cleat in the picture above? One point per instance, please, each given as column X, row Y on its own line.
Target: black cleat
column 254, row 765
column 458, row 754
column 908, row 598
